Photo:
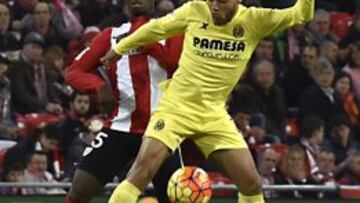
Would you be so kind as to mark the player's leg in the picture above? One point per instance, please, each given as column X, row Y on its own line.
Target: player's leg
column 84, row 187
column 162, row 177
column 238, row 164
column 152, row 154
column 161, row 138
column 101, row 162
column 226, row 147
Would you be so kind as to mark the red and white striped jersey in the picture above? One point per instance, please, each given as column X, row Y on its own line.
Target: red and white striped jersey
column 134, row 78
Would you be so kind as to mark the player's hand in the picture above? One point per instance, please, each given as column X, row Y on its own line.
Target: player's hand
column 110, row 57
column 106, row 100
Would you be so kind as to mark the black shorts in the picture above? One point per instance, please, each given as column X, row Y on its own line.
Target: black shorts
column 109, row 153
column 112, row 152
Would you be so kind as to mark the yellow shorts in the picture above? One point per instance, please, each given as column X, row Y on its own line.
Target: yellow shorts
column 209, row 136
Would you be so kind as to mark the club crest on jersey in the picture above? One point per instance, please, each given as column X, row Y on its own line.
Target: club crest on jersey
column 238, row 31
column 159, row 125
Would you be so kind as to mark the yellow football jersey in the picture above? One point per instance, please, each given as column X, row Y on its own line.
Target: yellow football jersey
column 214, row 57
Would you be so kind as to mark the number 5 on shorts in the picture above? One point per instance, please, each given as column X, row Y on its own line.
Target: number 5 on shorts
column 96, row 143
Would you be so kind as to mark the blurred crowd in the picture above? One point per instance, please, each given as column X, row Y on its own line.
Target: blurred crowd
column 298, row 106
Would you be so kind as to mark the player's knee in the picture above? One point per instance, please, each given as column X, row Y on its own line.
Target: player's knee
column 251, row 187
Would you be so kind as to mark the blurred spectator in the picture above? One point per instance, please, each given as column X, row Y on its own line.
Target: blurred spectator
column 320, row 99
column 340, row 23
column 13, row 174
column 354, row 33
column 319, row 29
column 164, row 7
column 352, row 176
column 313, row 137
column 30, row 87
column 257, row 133
column 71, row 26
column 43, row 22
column 294, row 38
column 341, row 142
column 337, row 5
column 55, row 67
column 299, row 77
column 330, row 51
column 268, row 159
column 264, row 96
column 8, row 128
column 266, row 50
column 353, row 67
column 46, row 140
column 36, row 171
column 293, row 172
column 241, row 116
column 8, row 41
column 326, row 162
column 19, row 8
column 76, row 132
column 344, row 87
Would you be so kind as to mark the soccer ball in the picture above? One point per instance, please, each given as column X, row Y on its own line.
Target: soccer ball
column 189, row 185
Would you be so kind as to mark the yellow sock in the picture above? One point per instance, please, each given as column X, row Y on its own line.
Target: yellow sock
column 251, row 199
column 126, row 192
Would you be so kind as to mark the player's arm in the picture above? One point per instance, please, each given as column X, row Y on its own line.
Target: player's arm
column 267, row 21
column 156, row 30
column 79, row 73
column 167, row 55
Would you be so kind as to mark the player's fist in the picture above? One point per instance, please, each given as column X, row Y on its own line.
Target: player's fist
column 110, row 57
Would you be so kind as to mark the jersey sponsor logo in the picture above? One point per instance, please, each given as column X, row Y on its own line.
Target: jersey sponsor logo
column 221, row 45
column 218, row 56
column 159, row 125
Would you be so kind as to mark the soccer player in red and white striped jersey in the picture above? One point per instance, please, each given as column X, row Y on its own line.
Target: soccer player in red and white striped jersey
column 133, row 83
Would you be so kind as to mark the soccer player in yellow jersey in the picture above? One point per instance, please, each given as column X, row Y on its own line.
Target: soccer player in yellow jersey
column 220, row 36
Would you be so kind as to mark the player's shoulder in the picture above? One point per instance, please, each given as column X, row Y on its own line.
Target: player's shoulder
column 195, row 5
column 197, row 8
column 197, row 2
column 252, row 10
column 245, row 13
column 244, row 9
